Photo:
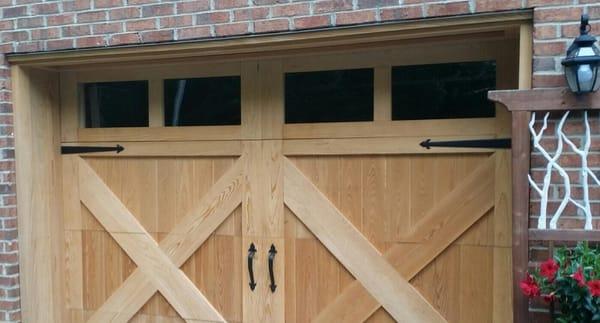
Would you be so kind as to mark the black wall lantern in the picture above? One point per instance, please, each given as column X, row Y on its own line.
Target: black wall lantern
column 582, row 61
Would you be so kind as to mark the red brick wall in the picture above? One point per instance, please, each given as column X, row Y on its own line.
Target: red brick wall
column 36, row 25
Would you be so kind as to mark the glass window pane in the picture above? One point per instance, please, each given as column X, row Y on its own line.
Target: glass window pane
column 329, row 96
column 443, row 91
column 203, row 101
column 116, row 104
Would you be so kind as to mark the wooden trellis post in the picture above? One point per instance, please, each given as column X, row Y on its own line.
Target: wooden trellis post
column 521, row 103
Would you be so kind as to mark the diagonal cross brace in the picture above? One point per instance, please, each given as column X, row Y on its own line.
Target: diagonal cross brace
column 454, row 214
column 221, row 200
column 354, row 250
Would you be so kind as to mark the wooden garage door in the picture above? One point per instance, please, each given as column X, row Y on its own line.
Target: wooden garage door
column 288, row 215
column 136, row 220
column 359, row 227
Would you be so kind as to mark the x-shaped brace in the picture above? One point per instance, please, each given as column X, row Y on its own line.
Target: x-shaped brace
column 158, row 264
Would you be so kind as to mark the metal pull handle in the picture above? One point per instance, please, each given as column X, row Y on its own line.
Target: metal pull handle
column 251, row 253
column 272, row 253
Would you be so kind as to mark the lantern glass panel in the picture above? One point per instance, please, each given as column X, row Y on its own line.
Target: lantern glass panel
column 571, row 74
column 585, row 72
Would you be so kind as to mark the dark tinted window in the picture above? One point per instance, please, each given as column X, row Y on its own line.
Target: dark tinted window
column 443, row 91
column 329, row 96
column 116, row 104
column 203, row 101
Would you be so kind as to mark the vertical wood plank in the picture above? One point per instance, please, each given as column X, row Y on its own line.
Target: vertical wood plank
column 93, row 269
column 167, row 204
column 156, row 117
column 112, row 265
column 374, row 193
column 251, row 107
column 290, row 266
column 262, row 198
column 398, row 201
column 503, row 305
column 271, row 98
column 138, row 173
column 476, row 284
column 525, row 56
column 351, row 201
column 69, row 106
column 307, row 288
column 73, row 270
column 421, row 187
column 520, row 210
column 521, row 151
column 262, row 204
column 41, row 244
column 382, row 94
column 70, row 193
column 502, row 218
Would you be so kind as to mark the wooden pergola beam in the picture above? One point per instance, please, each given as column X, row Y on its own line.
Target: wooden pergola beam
column 522, row 103
column 555, row 99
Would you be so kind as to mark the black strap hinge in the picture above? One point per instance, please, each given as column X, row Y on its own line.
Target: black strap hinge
column 500, row 143
column 66, row 150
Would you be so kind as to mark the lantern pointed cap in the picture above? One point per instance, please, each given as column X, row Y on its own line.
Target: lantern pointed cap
column 583, row 40
column 584, row 32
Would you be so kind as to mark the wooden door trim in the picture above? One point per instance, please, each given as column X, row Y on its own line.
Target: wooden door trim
column 453, row 215
column 219, row 148
column 373, row 146
column 354, row 250
column 221, row 200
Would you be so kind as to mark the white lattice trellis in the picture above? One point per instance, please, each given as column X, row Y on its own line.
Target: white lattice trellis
column 553, row 164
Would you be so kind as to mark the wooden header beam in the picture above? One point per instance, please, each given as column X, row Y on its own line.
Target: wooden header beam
column 283, row 41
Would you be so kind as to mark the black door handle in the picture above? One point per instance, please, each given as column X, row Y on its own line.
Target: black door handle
column 272, row 253
column 251, row 253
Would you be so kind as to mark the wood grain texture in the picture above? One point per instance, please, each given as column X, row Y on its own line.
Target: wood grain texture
column 382, row 97
column 377, row 129
column 373, row 146
column 520, row 210
column 181, row 242
column 159, row 134
column 263, row 225
column 353, row 250
column 37, row 160
column 262, row 204
column 156, row 112
column 467, row 203
column 69, row 106
column 189, row 302
column 555, row 99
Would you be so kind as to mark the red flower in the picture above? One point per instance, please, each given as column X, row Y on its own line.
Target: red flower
column 549, row 298
column 594, row 286
column 578, row 276
column 529, row 287
column 548, row 269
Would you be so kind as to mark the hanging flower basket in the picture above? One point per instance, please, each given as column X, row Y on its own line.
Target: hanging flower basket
column 572, row 279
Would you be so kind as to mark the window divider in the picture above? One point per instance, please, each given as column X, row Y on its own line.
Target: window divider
column 382, row 98
column 156, row 117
